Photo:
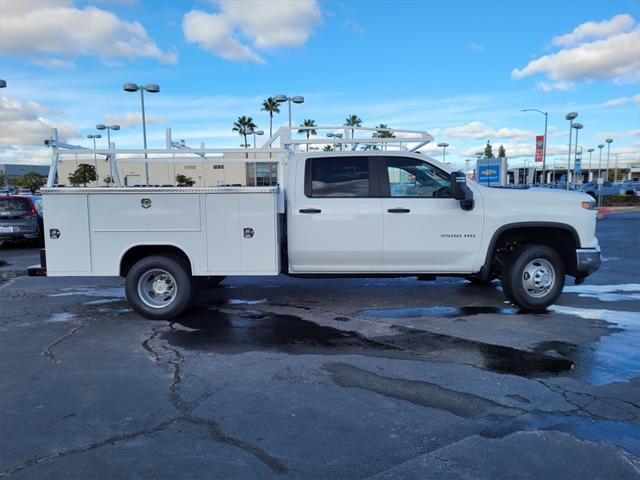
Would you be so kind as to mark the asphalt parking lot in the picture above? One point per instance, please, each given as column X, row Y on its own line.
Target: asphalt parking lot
column 291, row 378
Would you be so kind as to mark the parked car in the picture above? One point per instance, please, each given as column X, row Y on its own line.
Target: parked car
column 606, row 189
column 21, row 218
column 630, row 188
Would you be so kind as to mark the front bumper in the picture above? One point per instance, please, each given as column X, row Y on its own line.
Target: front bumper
column 587, row 261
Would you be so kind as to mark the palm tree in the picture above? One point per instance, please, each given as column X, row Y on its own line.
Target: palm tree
column 383, row 133
column 308, row 131
column 353, row 121
column 243, row 126
column 271, row 106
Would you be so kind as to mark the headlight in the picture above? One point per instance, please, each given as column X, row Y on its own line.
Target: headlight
column 589, row 205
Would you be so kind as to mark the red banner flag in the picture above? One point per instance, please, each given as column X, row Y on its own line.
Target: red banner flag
column 539, row 147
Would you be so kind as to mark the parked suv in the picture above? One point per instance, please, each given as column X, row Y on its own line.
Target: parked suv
column 21, row 218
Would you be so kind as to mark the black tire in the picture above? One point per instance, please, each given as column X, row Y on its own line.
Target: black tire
column 210, row 282
column 529, row 265
column 184, row 289
column 504, row 281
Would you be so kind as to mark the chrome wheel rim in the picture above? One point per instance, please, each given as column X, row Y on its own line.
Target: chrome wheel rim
column 538, row 277
column 157, row 288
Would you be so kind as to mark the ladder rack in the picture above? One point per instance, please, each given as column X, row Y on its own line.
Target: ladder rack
column 275, row 150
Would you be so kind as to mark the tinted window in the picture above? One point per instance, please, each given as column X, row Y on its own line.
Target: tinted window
column 338, row 177
column 14, row 204
column 410, row 177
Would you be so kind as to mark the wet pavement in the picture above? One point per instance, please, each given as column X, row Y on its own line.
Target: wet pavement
column 291, row 378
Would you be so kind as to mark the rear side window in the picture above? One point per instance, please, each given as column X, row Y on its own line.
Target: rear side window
column 13, row 204
column 337, row 177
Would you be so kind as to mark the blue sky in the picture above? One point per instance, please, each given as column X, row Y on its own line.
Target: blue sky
column 461, row 69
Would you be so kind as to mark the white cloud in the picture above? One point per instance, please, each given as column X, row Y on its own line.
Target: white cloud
column 129, row 119
column 477, row 130
column 614, row 53
column 548, row 86
column 517, row 149
column 617, row 135
column 265, row 25
column 594, row 30
column 476, row 47
column 25, row 124
column 51, row 33
column 622, row 101
column 212, row 33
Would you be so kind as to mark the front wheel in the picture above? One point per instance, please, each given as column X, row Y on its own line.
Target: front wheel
column 159, row 287
column 534, row 277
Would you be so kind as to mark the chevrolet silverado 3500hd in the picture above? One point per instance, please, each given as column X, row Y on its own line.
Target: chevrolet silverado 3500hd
column 367, row 212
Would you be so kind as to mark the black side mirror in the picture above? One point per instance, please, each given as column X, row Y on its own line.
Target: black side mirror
column 460, row 191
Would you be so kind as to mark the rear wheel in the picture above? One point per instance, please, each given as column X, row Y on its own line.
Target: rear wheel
column 159, row 287
column 533, row 277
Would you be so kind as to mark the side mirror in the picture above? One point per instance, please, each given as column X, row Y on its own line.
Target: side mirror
column 460, row 191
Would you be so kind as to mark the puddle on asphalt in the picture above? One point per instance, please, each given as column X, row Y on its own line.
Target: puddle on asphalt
column 210, row 329
column 62, row 317
column 436, row 311
column 614, row 357
column 117, row 292
column 607, row 293
column 580, row 426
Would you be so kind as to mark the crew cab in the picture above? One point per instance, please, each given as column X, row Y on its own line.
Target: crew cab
column 338, row 213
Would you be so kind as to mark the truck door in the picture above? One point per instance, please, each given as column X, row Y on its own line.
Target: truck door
column 425, row 230
column 335, row 219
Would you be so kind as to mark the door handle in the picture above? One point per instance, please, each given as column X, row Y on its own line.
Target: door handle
column 310, row 210
column 398, row 210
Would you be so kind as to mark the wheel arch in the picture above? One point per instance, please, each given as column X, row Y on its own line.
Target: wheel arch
column 138, row 252
column 561, row 237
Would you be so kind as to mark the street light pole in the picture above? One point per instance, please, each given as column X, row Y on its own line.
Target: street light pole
column 544, row 151
column 577, row 126
column 95, row 158
column 285, row 98
column 600, row 147
column 108, row 128
column 609, row 142
column 444, row 148
column 590, row 174
column 151, row 88
column 570, row 116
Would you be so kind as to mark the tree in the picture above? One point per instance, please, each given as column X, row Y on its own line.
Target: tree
column 82, row 175
column 32, row 181
column 185, row 181
column 383, row 133
column 488, row 150
column 502, row 153
column 308, row 131
column 327, row 148
column 243, row 126
column 353, row 121
column 271, row 106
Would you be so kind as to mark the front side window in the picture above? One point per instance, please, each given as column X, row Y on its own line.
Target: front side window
column 410, row 177
column 338, row 177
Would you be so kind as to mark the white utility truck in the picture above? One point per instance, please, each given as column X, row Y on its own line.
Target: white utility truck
column 373, row 206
